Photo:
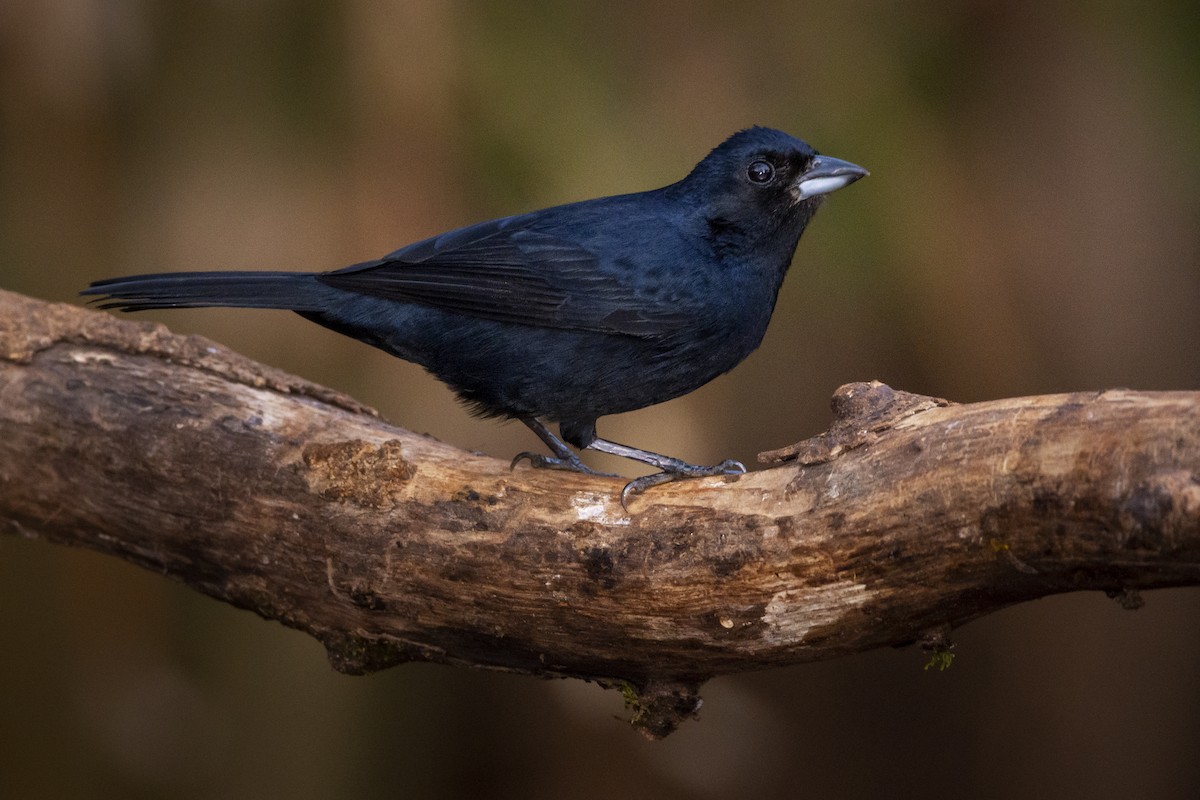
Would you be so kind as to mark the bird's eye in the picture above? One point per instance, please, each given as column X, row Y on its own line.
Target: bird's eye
column 760, row 172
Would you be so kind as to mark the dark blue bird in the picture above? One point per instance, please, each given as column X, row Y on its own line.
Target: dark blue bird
column 573, row 312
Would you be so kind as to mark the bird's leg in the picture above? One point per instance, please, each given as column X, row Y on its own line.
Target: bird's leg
column 564, row 458
column 673, row 469
column 583, row 434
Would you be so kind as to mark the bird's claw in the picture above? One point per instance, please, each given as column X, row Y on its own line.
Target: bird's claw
column 522, row 456
column 639, row 485
column 678, row 471
column 730, row 467
column 572, row 464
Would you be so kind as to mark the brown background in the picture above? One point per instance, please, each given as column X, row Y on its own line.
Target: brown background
column 1030, row 226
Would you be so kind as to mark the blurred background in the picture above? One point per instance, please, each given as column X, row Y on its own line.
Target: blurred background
column 1030, row 226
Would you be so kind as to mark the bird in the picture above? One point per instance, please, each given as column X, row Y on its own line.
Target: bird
column 573, row 312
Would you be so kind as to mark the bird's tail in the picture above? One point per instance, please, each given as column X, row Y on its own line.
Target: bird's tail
column 295, row 291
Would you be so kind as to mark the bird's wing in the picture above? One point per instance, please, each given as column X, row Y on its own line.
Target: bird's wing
column 505, row 271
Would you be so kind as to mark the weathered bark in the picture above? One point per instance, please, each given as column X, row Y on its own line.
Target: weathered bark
column 910, row 516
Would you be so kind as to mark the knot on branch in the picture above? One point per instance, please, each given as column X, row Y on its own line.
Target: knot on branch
column 658, row 707
column 861, row 411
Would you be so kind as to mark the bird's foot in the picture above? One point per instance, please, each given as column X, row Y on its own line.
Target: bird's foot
column 568, row 463
column 679, row 471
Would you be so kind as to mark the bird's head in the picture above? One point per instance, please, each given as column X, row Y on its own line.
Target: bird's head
column 762, row 182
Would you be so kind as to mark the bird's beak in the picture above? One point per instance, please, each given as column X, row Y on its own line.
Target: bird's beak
column 825, row 175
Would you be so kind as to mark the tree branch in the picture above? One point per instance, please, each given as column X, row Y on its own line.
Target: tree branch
column 908, row 517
